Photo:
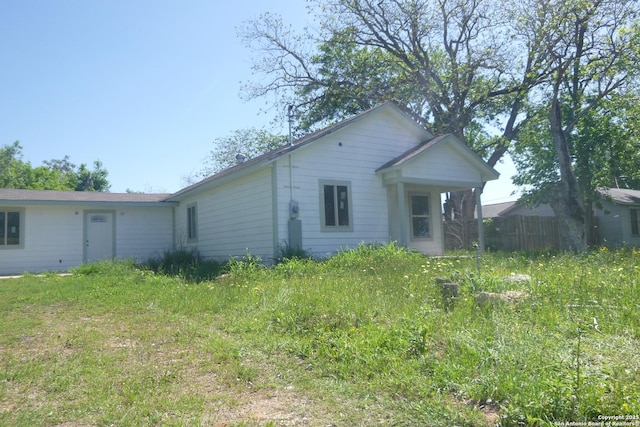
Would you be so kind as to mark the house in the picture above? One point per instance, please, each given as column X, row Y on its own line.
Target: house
column 375, row 177
column 515, row 208
column 514, row 226
column 618, row 214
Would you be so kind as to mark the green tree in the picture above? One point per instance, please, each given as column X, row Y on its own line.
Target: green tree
column 458, row 67
column 605, row 147
column 12, row 168
column 91, row 180
column 592, row 56
column 478, row 69
column 55, row 174
column 248, row 143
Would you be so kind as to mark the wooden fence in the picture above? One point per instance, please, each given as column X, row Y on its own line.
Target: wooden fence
column 513, row 233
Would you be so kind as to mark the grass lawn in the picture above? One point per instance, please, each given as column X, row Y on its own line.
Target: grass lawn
column 363, row 338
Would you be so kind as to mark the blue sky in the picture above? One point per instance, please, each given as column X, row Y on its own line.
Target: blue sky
column 143, row 86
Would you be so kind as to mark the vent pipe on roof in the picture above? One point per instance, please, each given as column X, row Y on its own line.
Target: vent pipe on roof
column 240, row 158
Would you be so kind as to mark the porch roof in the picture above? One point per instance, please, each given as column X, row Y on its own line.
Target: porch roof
column 443, row 161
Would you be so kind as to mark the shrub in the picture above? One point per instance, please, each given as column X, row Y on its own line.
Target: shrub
column 286, row 252
column 185, row 263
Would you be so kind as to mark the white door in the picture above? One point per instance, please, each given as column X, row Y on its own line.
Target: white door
column 98, row 236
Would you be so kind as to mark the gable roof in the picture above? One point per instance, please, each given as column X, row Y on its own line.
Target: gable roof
column 14, row 196
column 412, row 153
column 488, row 173
column 269, row 157
column 621, row 196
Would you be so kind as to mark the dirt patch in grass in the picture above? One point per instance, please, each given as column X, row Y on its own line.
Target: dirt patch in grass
column 282, row 407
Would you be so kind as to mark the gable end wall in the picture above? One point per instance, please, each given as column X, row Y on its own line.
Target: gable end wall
column 351, row 154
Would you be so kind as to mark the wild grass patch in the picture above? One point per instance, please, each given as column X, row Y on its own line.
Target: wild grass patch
column 359, row 339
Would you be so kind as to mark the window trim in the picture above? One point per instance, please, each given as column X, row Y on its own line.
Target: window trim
column 21, row 227
column 323, row 219
column 634, row 222
column 192, row 222
column 429, row 217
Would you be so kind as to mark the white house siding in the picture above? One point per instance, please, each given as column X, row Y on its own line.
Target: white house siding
column 351, row 154
column 53, row 241
column 442, row 163
column 232, row 218
column 614, row 222
column 54, row 237
column 143, row 233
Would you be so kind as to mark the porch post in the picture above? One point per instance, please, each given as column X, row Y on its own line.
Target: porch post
column 402, row 211
column 478, row 191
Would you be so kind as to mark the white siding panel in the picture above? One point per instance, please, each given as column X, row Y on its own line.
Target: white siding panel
column 232, row 219
column 53, row 241
column 442, row 164
column 54, row 237
column 610, row 224
column 614, row 223
column 352, row 154
column 143, row 233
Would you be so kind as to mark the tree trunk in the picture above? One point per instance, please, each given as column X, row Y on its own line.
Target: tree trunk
column 565, row 198
column 589, row 225
column 459, row 205
column 571, row 223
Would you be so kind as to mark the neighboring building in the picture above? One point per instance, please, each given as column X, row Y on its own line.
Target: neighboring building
column 376, row 177
column 514, row 208
column 619, row 217
column 517, row 227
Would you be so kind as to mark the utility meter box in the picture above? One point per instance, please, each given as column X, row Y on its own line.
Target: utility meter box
column 294, row 209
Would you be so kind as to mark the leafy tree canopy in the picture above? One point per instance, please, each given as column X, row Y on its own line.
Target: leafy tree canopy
column 605, row 147
column 480, row 69
column 578, row 114
column 55, row 174
column 460, row 67
column 248, row 143
column 455, row 66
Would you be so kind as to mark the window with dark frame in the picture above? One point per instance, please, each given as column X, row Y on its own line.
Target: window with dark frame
column 336, row 206
column 420, row 217
column 192, row 223
column 635, row 221
column 10, row 228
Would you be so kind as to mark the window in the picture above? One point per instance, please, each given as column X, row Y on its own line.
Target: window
column 420, row 218
column 635, row 221
column 336, row 211
column 192, row 223
column 99, row 218
column 11, row 229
